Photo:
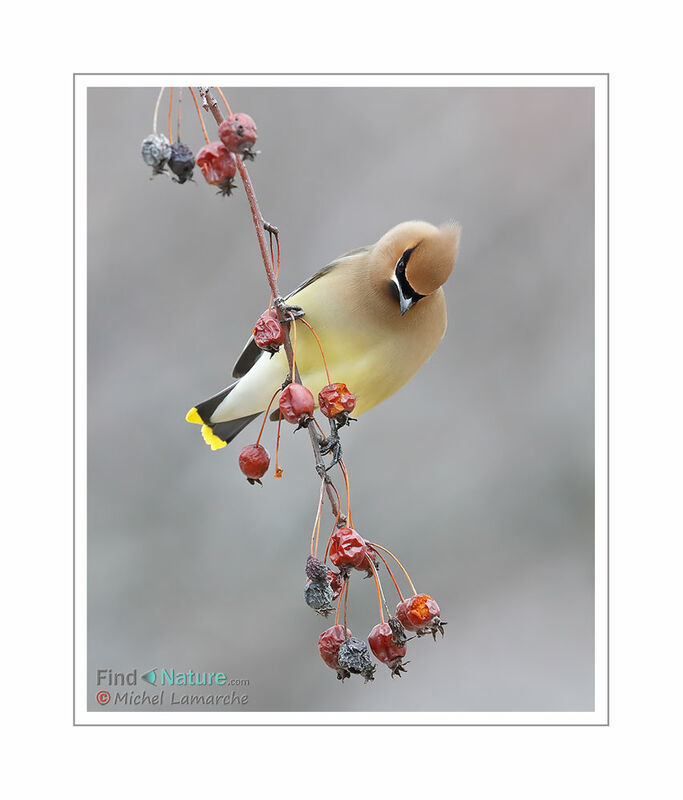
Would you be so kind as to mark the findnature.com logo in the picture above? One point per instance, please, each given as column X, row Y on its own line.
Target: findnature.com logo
column 169, row 678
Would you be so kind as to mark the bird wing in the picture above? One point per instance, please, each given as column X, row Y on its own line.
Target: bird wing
column 252, row 352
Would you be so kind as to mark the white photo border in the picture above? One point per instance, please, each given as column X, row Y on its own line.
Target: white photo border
column 600, row 83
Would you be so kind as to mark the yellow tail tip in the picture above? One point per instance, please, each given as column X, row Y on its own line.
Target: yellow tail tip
column 211, row 438
column 193, row 416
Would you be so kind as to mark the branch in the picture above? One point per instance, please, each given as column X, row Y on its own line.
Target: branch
column 210, row 104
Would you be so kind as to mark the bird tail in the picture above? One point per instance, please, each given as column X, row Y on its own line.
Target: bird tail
column 218, row 434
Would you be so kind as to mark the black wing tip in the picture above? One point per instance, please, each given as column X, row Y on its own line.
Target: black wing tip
column 227, row 431
column 206, row 409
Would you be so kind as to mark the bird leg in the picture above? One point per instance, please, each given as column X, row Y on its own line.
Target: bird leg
column 286, row 311
column 332, row 443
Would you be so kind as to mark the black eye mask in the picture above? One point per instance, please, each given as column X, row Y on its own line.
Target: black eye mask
column 404, row 292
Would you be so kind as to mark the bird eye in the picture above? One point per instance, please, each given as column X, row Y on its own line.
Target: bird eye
column 406, row 294
column 403, row 260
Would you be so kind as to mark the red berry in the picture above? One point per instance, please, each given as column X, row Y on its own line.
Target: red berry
column 336, row 583
column 268, row 333
column 238, row 133
column 417, row 612
column 218, row 165
column 348, row 549
column 254, row 462
column 384, row 645
column 296, row 403
column 370, row 556
column 329, row 643
column 335, row 399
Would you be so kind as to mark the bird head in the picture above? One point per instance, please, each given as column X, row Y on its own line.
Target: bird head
column 420, row 257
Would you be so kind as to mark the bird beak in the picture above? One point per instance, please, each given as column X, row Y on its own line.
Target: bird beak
column 404, row 302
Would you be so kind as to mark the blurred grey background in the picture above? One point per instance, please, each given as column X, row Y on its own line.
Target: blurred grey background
column 478, row 474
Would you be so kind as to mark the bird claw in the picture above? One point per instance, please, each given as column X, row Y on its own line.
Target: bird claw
column 286, row 310
column 333, row 447
column 328, row 444
column 293, row 311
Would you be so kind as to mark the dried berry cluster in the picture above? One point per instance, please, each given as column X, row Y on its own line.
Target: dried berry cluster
column 327, row 585
column 217, row 160
column 387, row 641
column 158, row 153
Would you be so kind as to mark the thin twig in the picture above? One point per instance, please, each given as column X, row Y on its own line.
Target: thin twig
column 156, row 110
column 199, row 114
column 170, row 109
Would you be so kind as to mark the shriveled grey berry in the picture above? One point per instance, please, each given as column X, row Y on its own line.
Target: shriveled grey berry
column 315, row 569
column 156, row 151
column 398, row 631
column 354, row 656
column 181, row 162
column 318, row 595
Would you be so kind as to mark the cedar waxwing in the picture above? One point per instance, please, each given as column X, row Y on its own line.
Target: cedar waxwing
column 379, row 313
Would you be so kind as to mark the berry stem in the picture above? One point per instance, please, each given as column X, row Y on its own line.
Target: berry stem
column 278, row 469
column 329, row 539
column 277, row 244
column 341, row 594
column 199, row 114
column 272, row 261
column 317, row 536
column 227, row 105
column 391, row 575
column 380, row 593
column 265, row 416
column 340, row 519
column 170, row 109
column 293, row 327
column 322, row 352
column 339, row 522
column 316, row 524
column 155, row 117
column 346, row 597
column 180, row 100
column 405, row 572
column 348, row 492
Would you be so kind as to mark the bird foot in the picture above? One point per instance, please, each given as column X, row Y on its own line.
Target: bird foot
column 332, row 444
column 286, row 311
